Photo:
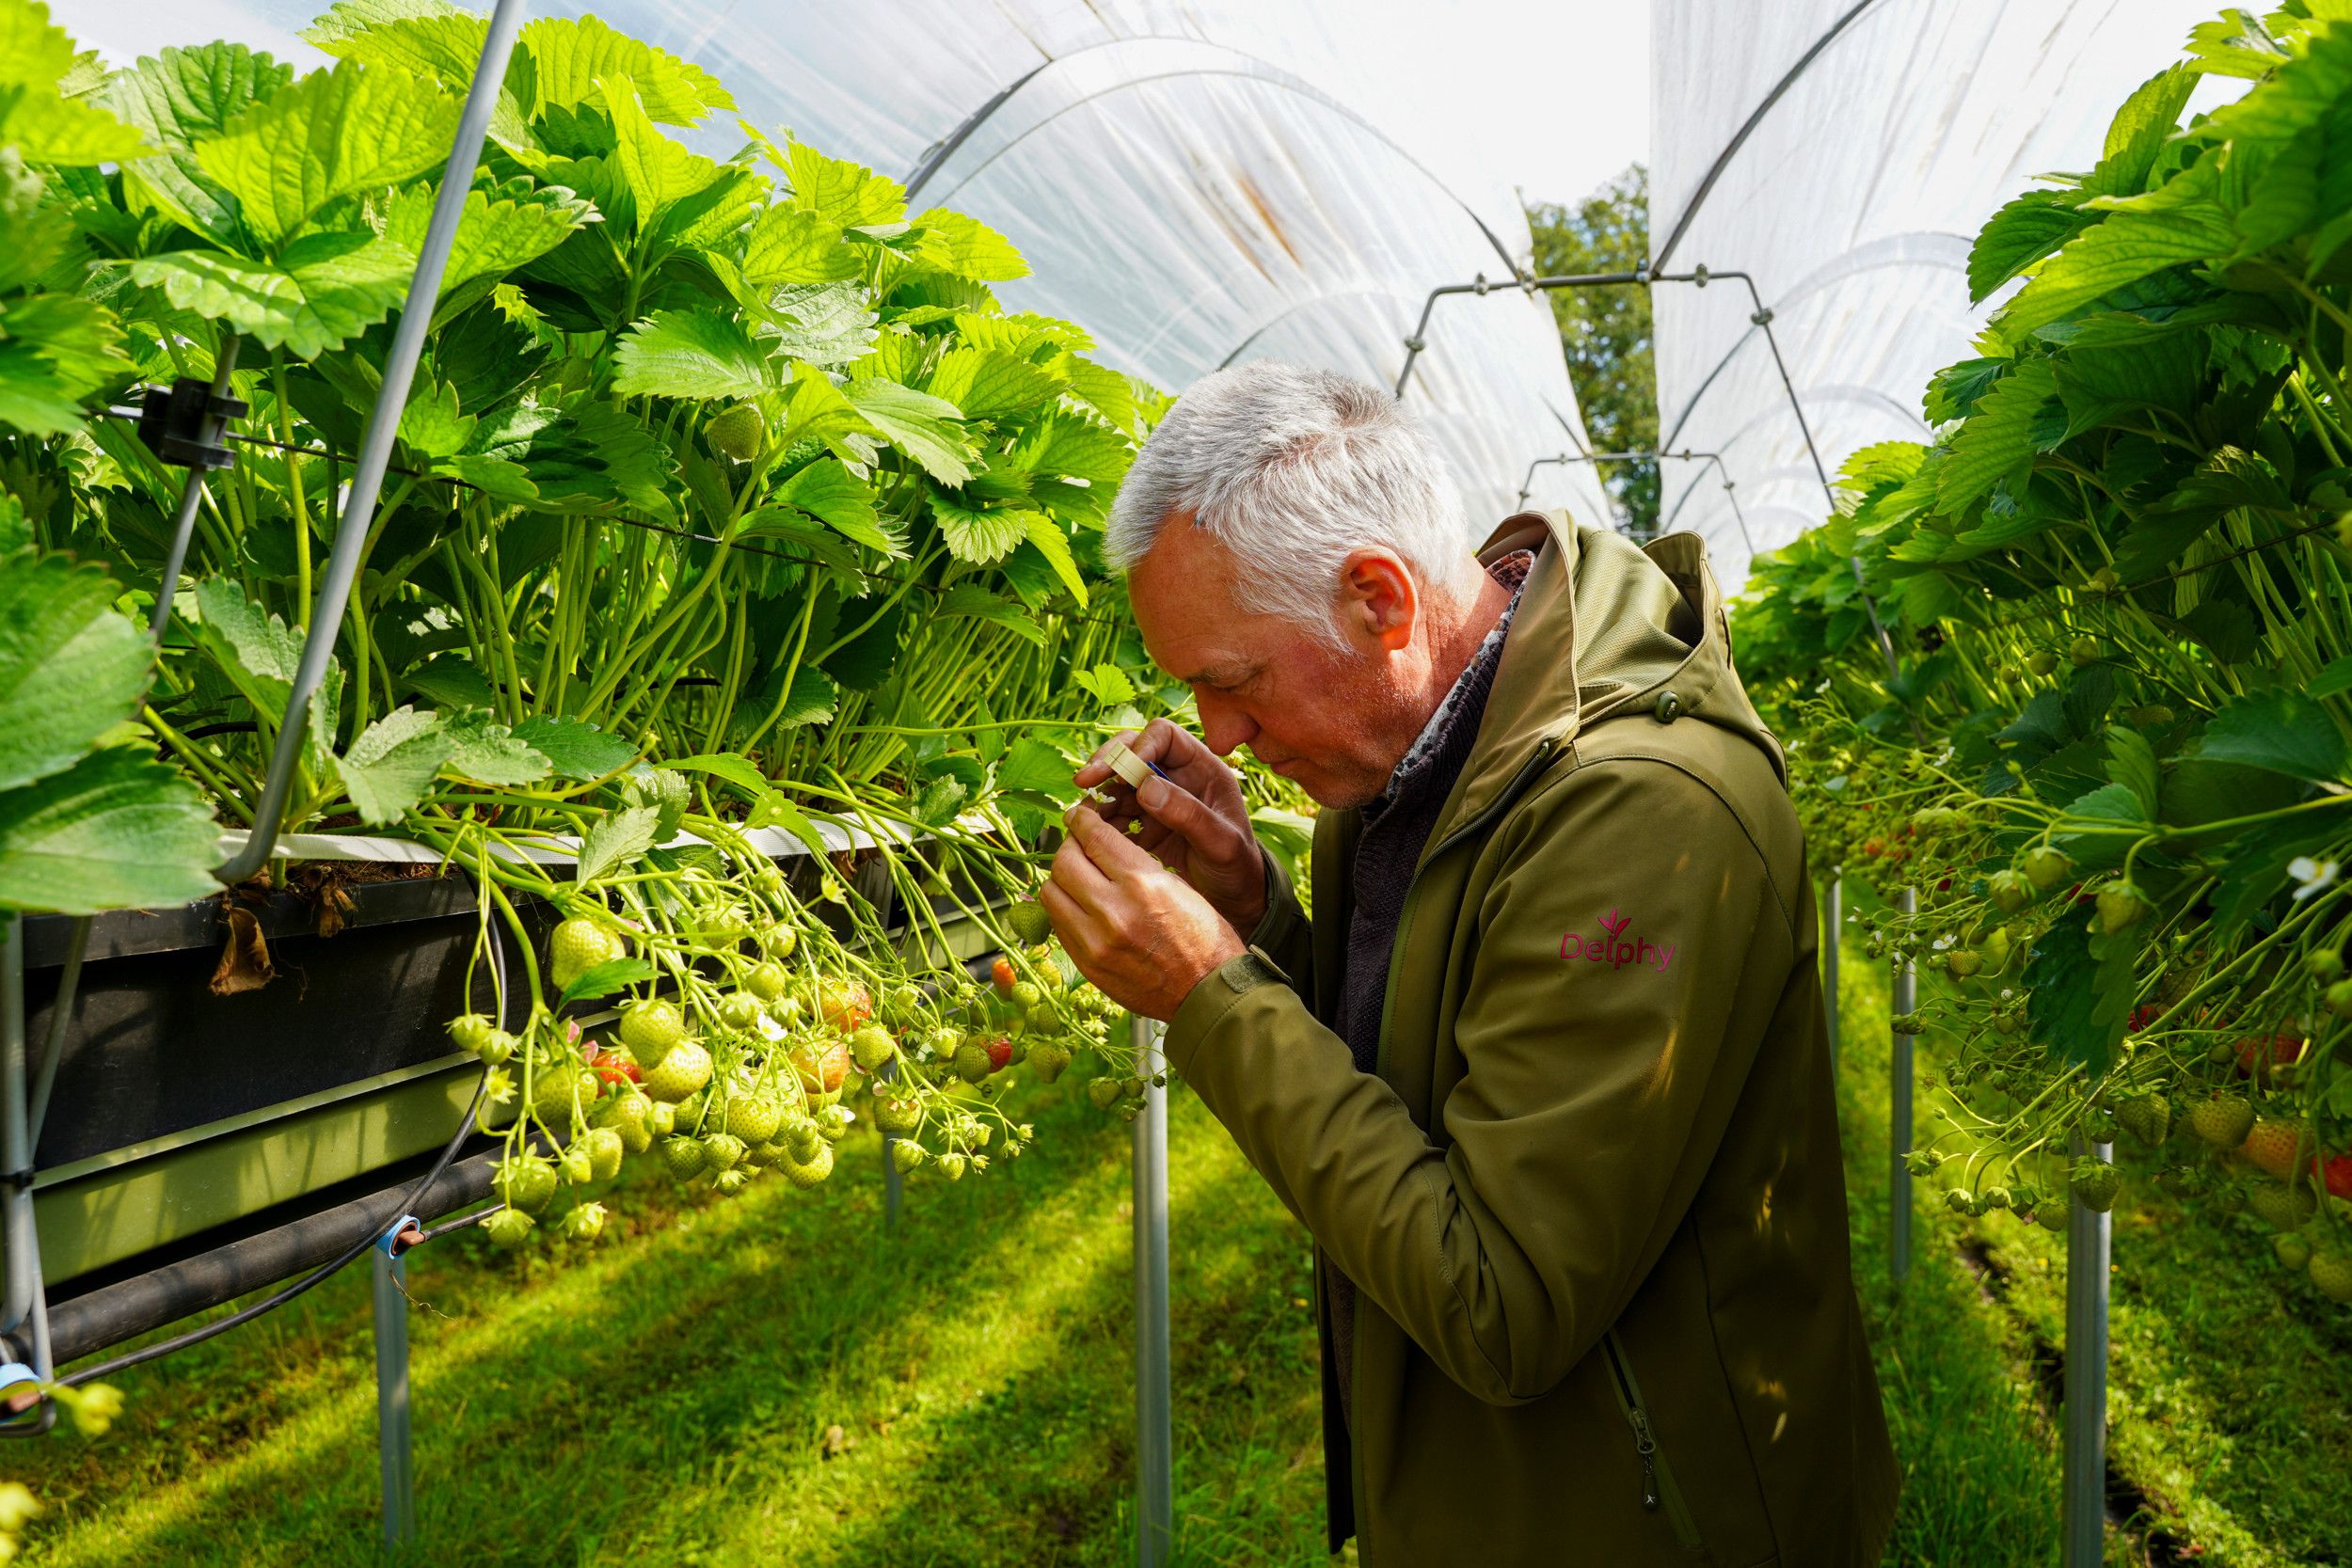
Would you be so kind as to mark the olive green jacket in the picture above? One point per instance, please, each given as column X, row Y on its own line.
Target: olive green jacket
column 1593, row 1201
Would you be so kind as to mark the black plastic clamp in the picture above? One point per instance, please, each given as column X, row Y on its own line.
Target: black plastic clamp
column 183, row 423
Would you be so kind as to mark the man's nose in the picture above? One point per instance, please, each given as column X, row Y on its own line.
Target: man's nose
column 1224, row 728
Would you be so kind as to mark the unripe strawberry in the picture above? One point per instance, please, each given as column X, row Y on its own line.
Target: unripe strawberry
column 2276, row 1146
column 753, row 1118
column 907, row 1154
column 2332, row 1273
column 2223, row 1120
column 971, row 1061
column 577, row 945
column 740, row 433
column 574, row 1165
column 2147, row 1117
column 871, row 1047
column 2010, row 891
column 722, row 1150
column 766, row 980
column 2045, row 865
column 813, row 1170
column 741, row 1011
column 1047, row 1059
column 681, row 1073
column 2292, row 1249
column 1959, row 963
column 1029, row 921
column 509, row 1229
column 896, row 1116
column 780, row 940
column 2283, row 1206
column 582, row 1223
column 951, row 1166
column 2041, row 662
column 730, row 1182
column 2121, row 905
column 649, row 1028
column 2094, row 1183
column 2338, row 999
column 2323, row 964
column 605, row 1151
column 2083, row 651
column 833, row 1123
column 526, row 1183
column 1104, row 1092
column 683, row 1157
column 630, row 1115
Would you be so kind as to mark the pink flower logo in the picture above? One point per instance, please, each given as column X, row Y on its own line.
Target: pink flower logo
column 1614, row 922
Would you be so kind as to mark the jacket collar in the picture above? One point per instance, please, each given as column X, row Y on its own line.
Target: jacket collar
column 1605, row 627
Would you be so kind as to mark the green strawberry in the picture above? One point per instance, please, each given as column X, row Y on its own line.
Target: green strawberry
column 681, row 1073
column 683, row 1156
column 740, row 433
column 1104, row 1092
column 722, row 1150
column 767, row 981
column 2045, row 866
column 2223, row 1120
column 730, row 1182
column 871, row 1047
column 1029, row 920
column 649, row 1028
column 2050, row 1214
column 2121, row 905
column 2041, row 662
column 832, row 1122
column 660, row 1118
column 526, row 1183
column 2082, row 651
column 1024, row 996
column 972, row 1063
column 509, row 1229
column 897, row 1116
column 809, row 1172
column 579, row 945
column 2338, row 999
column 779, row 941
column 907, row 1154
column 576, row 1165
column 2323, row 964
column 2332, row 1273
column 1958, row 1198
column 2147, row 1117
column 800, row 1134
column 2010, row 891
column 741, row 1011
column 2293, row 1250
column 2094, row 1183
column 2282, row 1207
column 474, row 1033
column 582, row 1223
column 754, row 1118
column 629, row 1114
column 1048, row 1059
column 951, row 1166
column 605, row 1149
column 555, row 1086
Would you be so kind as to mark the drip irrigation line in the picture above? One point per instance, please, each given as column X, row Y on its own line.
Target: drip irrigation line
column 740, row 546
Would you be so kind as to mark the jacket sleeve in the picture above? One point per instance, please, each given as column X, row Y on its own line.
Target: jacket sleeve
column 1282, row 933
column 1594, row 1090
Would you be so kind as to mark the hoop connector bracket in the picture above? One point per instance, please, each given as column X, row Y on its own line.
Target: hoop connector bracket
column 183, row 423
column 1763, row 316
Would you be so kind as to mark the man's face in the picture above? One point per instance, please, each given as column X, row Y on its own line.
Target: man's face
column 1333, row 721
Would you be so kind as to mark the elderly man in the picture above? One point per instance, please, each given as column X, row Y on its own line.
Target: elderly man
column 1546, row 1078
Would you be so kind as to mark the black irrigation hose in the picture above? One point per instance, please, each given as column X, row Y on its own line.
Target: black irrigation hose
column 270, row 1302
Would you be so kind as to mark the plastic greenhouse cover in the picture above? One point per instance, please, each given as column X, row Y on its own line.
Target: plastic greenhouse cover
column 1852, row 204
column 1197, row 185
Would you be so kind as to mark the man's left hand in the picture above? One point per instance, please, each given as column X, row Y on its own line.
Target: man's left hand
column 1131, row 925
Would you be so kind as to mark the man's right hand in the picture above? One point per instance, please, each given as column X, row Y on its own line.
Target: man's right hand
column 1194, row 819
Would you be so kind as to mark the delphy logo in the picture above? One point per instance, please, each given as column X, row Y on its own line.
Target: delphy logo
column 1613, row 949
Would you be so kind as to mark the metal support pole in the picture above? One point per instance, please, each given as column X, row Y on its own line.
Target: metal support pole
column 1155, row 1486
column 1899, row 1122
column 375, row 445
column 1833, row 934
column 391, row 1398
column 16, row 1151
column 191, row 494
column 2084, row 1484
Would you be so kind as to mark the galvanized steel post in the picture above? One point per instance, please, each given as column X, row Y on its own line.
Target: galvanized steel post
column 1155, row 1489
column 2083, row 1487
column 1833, row 932
column 1905, row 999
column 391, row 1398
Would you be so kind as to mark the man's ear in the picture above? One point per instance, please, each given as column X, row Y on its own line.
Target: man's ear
column 1379, row 600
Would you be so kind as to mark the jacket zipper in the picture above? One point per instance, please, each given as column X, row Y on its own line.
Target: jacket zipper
column 1657, row 1480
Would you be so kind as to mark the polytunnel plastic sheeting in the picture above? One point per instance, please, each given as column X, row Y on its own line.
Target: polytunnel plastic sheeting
column 1854, row 203
column 1196, row 184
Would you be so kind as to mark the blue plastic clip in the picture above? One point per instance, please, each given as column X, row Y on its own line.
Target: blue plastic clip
column 390, row 1243
column 15, row 1373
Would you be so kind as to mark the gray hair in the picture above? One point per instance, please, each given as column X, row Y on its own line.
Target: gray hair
column 1293, row 471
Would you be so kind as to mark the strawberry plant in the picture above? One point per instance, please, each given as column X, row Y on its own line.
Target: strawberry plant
column 2113, row 761
column 729, row 502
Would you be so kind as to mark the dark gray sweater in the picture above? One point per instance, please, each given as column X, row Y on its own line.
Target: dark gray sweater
column 1396, row 828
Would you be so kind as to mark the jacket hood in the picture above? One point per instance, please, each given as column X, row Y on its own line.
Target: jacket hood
column 1605, row 629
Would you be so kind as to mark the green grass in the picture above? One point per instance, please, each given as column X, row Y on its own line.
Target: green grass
column 664, row 1399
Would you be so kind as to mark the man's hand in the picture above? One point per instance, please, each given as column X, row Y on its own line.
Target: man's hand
column 1131, row 925
column 1194, row 819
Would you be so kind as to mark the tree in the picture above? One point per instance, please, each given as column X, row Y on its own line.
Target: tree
column 1605, row 332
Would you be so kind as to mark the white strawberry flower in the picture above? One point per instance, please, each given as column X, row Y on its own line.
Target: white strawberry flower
column 2311, row 875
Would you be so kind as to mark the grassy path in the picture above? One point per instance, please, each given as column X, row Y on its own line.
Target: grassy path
column 666, row 1399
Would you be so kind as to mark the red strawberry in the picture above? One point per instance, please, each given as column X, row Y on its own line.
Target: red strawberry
column 2144, row 1015
column 2280, row 1048
column 844, row 1004
column 1001, row 971
column 2275, row 1147
column 999, row 1054
column 2337, row 1175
